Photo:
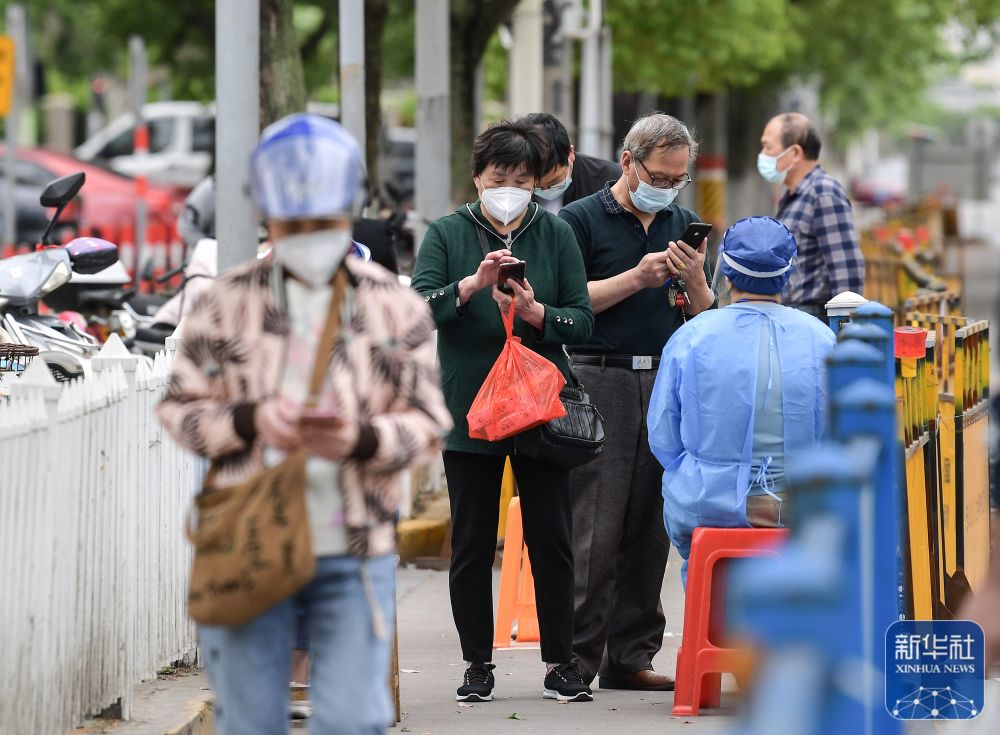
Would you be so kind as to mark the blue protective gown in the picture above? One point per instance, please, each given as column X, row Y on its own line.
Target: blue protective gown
column 701, row 414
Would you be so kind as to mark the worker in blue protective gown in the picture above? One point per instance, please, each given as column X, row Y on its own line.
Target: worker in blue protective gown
column 739, row 389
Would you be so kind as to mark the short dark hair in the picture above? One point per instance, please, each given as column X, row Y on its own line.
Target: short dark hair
column 797, row 129
column 510, row 145
column 555, row 135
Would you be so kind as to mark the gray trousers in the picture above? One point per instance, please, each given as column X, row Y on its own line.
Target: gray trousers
column 619, row 542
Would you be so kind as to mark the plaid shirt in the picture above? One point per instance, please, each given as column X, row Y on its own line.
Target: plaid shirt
column 829, row 258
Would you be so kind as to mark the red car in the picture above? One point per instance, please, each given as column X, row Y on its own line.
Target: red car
column 107, row 202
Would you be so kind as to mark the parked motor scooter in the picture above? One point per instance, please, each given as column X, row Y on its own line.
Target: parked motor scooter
column 26, row 279
column 199, row 272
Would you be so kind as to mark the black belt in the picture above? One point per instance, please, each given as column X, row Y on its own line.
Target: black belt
column 628, row 362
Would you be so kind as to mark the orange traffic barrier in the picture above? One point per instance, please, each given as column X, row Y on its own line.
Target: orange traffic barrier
column 156, row 245
column 126, row 250
column 516, row 603
column 508, row 489
column 704, row 655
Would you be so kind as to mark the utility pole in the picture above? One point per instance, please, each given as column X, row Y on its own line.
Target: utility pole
column 591, row 84
column 558, row 52
column 606, row 136
column 237, row 95
column 137, row 86
column 433, row 164
column 527, row 90
column 351, row 38
column 16, row 30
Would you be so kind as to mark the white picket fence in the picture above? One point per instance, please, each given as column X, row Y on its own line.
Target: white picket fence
column 93, row 559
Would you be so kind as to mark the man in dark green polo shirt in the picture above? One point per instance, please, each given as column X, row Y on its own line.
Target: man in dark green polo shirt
column 629, row 235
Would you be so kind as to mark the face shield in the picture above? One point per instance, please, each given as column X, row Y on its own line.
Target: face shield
column 722, row 287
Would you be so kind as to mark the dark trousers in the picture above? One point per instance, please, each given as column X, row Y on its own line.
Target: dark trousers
column 619, row 541
column 815, row 309
column 474, row 491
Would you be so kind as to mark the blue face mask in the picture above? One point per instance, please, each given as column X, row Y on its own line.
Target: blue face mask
column 554, row 192
column 767, row 166
column 647, row 198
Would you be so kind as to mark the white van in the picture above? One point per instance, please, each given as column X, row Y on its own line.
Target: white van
column 181, row 142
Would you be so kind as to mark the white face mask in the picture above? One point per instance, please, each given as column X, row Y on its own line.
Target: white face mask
column 767, row 167
column 313, row 257
column 647, row 198
column 556, row 191
column 505, row 203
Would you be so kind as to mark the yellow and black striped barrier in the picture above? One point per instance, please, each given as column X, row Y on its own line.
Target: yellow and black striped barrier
column 943, row 399
column 972, row 381
column 916, row 402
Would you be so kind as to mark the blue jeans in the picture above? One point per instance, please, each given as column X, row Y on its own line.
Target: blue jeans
column 249, row 665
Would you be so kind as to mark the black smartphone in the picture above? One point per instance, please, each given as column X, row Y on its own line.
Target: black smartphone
column 695, row 233
column 510, row 270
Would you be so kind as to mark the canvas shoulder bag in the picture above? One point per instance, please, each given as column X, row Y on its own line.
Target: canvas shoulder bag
column 252, row 543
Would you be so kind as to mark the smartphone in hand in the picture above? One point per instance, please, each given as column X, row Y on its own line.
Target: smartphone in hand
column 320, row 416
column 695, row 233
column 510, row 270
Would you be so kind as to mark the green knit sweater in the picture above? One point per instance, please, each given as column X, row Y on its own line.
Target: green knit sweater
column 470, row 337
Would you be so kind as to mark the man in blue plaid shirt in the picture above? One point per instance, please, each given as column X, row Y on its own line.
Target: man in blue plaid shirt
column 817, row 211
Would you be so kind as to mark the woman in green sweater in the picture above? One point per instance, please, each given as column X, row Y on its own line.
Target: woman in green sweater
column 552, row 309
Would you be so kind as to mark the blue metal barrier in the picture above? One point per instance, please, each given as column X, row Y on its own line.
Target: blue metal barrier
column 820, row 610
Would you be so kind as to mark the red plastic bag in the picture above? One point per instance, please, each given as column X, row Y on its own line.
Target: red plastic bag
column 521, row 391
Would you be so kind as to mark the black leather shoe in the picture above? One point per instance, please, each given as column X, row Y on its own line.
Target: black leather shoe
column 646, row 680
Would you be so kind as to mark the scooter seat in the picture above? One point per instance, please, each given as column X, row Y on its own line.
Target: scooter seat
column 156, row 333
column 147, row 304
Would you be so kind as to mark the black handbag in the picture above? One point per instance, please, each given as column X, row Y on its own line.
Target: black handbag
column 571, row 440
column 568, row 441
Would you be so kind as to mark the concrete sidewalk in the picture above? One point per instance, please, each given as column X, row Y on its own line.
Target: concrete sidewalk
column 431, row 669
column 177, row 703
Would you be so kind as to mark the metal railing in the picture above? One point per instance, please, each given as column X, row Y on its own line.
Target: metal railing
column 92, row 555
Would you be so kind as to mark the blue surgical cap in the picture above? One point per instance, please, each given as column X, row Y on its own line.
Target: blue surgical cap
column 307, row 166
column 757, row 255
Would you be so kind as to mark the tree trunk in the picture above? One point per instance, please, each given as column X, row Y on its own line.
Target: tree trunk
column 376, row 12
column 472, row 24
column 282, row 82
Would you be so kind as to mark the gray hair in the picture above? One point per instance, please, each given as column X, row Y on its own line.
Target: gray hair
column 658, row 130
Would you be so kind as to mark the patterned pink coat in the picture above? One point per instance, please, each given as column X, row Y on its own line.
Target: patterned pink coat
column 383, row 368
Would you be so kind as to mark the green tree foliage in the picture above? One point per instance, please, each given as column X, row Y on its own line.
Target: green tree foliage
column 473, row 24
column 399, row 46
column 77, row 39
column 675, row 49
column 871, row 59
column 873, row 64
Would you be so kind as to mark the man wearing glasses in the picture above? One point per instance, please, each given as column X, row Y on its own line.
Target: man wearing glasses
column 629, row 235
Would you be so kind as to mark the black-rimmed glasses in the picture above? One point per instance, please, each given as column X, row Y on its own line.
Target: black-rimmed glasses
column 660, row 183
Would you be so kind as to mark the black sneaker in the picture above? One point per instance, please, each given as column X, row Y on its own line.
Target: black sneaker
column 565, row 684
column 478, row 684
